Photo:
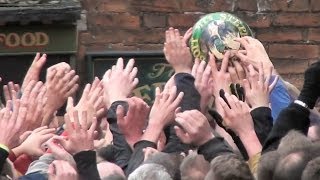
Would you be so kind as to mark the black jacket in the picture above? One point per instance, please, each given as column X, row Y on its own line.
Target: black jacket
column 294, row 117
column 87, row 165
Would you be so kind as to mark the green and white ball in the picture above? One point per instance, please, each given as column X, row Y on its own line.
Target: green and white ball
column 215, row 33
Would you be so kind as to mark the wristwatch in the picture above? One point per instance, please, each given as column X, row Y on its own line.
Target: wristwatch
column 301, row 103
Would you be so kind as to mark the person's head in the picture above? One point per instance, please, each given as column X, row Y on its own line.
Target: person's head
column 312, row 170
column 170, row 162
column 109, row 171
column 150, row 171
column 293, row 141
column 267, row 164
column 107, row 153
column 293, row 164
column 314, row 129
column 114, row 177
column 290, row 167
column 229, row 167
column 194, row 167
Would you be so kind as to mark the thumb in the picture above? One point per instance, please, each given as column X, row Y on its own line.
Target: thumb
column 60, row 140
column 184, row 137
column 51, row 170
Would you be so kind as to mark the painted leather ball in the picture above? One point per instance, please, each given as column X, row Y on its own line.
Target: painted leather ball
column 216, row 33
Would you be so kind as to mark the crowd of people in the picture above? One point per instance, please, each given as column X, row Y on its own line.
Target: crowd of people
column 229, row 119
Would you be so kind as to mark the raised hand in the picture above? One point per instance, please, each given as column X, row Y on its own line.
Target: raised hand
column 164, row 106
column 34, row 99
column 61, row 82
column 254, row 53
column 33, row 145
column 62, row 170
column 238, row 118
column 237, row 114
column 162, row 112
column 59, row 153
column 91, row 101
column 134, row 121
column 97, row 98
column 187, row 35
column 8, row 91
column 119, row 81
column 12, row 123
column 203, row 82
column 237, row 72
column 221, row 78
column 257, row 87
column 177, row 52
column 80, row 136
column 34, row 70
column 194, row 128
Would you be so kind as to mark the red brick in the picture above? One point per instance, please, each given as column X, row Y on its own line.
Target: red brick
column 279, row 35
column 248, row 5
column 122, row 20
column 81, row 52
column 183, row 20
column 155, row 5
column 314, row 34
column 121, row 46
column 207, row 5
column 89, row 4
column 153, row 20
column 294, row 51
column 315, row 5
column 127, row 37
column 149, row 46
column 193, row 5
column 290, row 6
column 97, row 47
column 220, row 5
column 290, row 66
column 301, row 19
column 109, row 46
column 256, row 20
column 85, row 37
column 113, row 6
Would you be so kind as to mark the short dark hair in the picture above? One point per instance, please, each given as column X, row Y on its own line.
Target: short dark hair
column 107, row 153
column 194, row 167
column 267, row 165
column 229, row 167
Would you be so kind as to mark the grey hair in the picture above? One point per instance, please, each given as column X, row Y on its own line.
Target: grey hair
column 150, row 171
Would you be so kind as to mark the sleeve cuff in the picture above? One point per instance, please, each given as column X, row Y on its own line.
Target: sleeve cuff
column 4, row 147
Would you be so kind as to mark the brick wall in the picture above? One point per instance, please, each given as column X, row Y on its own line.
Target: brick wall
column 289, row 29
